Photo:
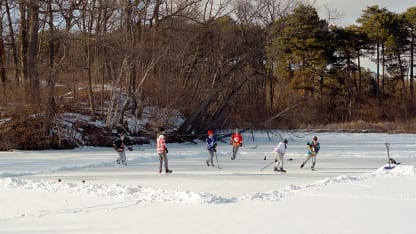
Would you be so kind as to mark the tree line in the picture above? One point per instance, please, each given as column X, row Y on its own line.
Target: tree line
column 222, row 64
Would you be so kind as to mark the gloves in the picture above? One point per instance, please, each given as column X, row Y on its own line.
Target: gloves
column 166, row 150
column 241, row 144
column 130, row 148
column 275, row 160
column 215, row 150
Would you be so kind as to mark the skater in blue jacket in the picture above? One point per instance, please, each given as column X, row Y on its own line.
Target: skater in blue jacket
column 211, row 147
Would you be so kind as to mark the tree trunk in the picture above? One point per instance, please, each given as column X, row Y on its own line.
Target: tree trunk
column 50, row 109
column 382, row 70
column 32, row 68
column 89, row 77
column 103, row 67
column 219, row 113
column 13, row 42
column 88, row 54
column 24, row 41
column 156, row 12
column 399, row 59
column 412, row 64
column 188, row 125
column 271, row 87
column 2, row 55
column 116, row 109
column 112, row 111
column 378, row 70
column 359, row 75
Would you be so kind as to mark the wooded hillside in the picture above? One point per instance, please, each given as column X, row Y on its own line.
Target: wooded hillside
column 221, row 64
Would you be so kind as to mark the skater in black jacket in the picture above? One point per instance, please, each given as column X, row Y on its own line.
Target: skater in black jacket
column 120, row 143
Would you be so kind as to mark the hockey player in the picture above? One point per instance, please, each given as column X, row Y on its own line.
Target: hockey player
column 162, row 151
column 279, row 152
column 119, row 145
column 236, row 141
column 211, row 147
column 313, row 150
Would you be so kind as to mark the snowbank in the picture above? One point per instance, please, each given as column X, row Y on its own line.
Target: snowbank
column 152, row 195
column 398, row 171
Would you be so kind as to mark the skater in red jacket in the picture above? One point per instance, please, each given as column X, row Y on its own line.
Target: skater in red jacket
column 236, row 141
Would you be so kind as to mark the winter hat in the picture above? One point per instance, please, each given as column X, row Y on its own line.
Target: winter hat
column 285, row 141
column 315, row 138
column 210, row 132
column 162, row 129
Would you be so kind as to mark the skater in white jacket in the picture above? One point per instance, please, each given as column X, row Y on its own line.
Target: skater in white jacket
column 279, row 153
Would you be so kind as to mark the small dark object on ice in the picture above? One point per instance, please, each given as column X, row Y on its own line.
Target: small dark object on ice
column 83, row 181
column 394, row 162
column 59, row 180
column 264, row 158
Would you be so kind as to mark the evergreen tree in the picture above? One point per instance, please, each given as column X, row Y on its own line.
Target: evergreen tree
column 410, row 22
column 301, row 47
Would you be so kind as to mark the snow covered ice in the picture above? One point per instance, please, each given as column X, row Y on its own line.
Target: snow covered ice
column 84, row 191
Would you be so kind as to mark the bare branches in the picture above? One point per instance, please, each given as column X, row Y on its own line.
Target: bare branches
column 284, row 112
column 263, row 12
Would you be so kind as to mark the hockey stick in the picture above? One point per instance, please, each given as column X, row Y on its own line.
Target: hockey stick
column 267, row 166
column 216, row 158
column 388, row 157
column 252, row 146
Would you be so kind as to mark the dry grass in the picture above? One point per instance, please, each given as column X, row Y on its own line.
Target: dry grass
column 362, row 126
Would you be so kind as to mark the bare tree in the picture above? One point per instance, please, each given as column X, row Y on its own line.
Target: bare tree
column 24, row 40
column 263, row 12
column 234, row 52
column 50, row 108
column 32, row 66
column 2, row 51
column 12, row 40
column 88, row 20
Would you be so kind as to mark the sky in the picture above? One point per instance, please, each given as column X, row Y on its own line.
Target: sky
column 350, row 10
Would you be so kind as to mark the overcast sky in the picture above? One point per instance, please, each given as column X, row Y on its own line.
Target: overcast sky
column 350, row 10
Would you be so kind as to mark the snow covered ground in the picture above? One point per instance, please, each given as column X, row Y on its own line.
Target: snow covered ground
column 83, row 191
